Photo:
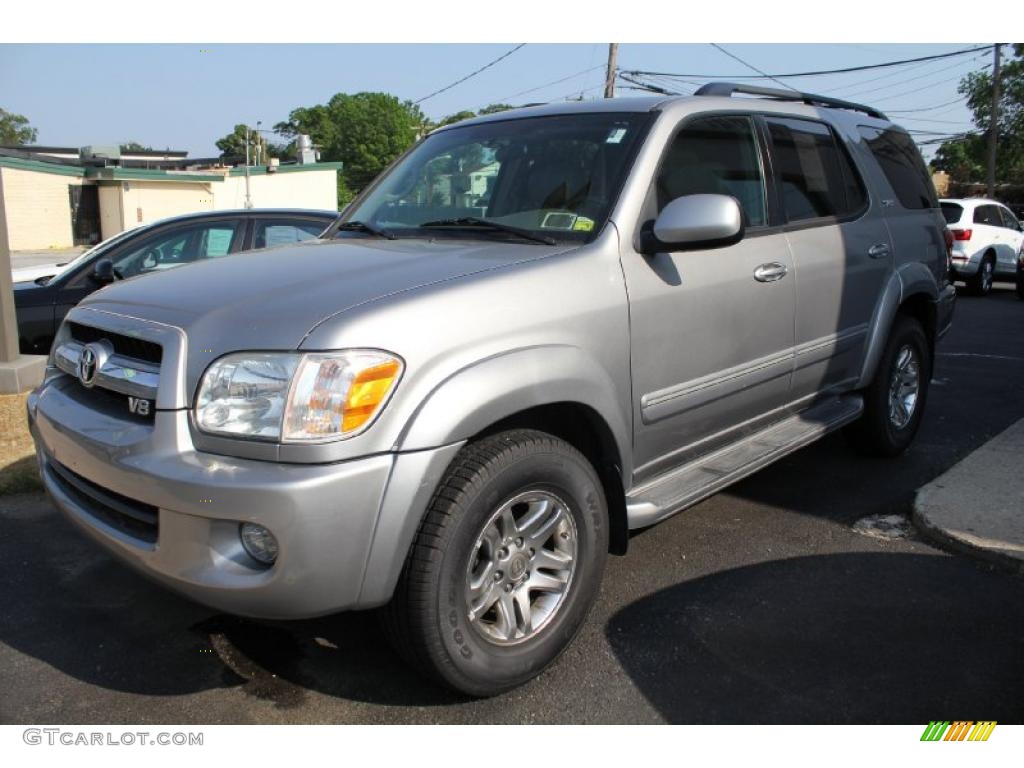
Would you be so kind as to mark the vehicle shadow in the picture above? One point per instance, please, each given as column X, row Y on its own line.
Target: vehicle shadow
column 72, row 606
column 844, row 638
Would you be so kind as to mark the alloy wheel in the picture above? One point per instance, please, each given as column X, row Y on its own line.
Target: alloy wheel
column 521, row 568
column 904, row 387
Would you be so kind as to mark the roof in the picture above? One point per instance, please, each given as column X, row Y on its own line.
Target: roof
column 19, row 159
column 638, row 104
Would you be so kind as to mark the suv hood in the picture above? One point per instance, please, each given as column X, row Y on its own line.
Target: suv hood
column 272, row 299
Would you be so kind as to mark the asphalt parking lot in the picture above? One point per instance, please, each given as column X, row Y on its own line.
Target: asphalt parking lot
column 760, row 605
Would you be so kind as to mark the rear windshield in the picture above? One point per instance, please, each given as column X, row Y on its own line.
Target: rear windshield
column 952, row 212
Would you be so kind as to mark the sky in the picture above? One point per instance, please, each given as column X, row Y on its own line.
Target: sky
column 187, row 96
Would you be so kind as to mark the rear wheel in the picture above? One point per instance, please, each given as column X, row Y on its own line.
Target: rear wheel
column 505, row 566
column 980, row 284
column 894, row 402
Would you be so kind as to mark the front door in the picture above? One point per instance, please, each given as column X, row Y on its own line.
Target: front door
column 711, row 343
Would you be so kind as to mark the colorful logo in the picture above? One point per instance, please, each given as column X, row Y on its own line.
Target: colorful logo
column 960, row 730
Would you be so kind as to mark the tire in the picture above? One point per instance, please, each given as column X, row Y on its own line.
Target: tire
column 980, row 283
column 1020, row 275
column 885, row 429
column 460, row 544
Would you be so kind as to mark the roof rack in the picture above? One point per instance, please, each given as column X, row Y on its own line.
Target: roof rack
column 728, row 89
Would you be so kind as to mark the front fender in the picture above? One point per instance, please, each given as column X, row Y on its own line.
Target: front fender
column 492, row 389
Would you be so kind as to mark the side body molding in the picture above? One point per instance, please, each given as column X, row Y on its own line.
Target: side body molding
column 908, row 280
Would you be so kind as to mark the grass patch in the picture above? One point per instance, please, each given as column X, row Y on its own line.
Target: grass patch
column 18, row 470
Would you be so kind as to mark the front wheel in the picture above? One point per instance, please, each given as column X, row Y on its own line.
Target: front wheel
column 506, row 564
column 894, row 402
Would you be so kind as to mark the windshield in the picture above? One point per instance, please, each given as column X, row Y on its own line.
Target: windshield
column 556, row 177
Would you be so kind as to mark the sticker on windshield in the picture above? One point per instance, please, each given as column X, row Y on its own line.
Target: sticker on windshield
column 615, row 136
column 583, row 224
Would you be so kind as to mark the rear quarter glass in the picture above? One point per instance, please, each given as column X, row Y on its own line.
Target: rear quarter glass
column 952, row 212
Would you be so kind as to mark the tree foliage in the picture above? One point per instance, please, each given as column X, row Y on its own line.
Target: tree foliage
column 134, row 146
column 15, row 129
column 233, row 145
column 364, row 131
column 966, row 159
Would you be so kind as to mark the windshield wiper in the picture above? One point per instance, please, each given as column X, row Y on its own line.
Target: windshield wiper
column 362, row 226
column 465, row 222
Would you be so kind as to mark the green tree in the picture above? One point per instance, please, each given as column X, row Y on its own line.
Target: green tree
column 490, row 109
column 233, row 145
column 963, row 159
column 134, row 146
column 457, row 117
column 15, row 129
column 364, row 131
column 971, row 155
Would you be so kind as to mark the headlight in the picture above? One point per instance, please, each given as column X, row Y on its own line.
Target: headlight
column 295, row 397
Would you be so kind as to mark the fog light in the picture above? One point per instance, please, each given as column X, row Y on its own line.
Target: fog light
column 260, row 543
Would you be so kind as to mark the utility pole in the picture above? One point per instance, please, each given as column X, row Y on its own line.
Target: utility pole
column 609, row 77
column 993, row 128
column 248, row 196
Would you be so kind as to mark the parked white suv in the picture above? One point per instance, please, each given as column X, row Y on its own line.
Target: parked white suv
column 987, row 242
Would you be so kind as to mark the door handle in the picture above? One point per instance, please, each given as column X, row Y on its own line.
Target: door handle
column 878, row 251
column 769, row 273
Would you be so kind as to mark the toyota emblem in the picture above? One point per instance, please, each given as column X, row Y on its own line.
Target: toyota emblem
column 87, row 365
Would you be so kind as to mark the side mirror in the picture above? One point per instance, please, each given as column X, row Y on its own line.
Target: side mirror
column 696, row 221
column 103, row 272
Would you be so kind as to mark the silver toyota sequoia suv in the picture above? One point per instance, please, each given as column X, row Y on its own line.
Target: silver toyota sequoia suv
column 536, row 332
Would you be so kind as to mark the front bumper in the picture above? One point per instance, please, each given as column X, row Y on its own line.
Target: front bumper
column 343, row 529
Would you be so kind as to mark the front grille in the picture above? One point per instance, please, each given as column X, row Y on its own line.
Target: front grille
column 133, row 518
column 127, row 346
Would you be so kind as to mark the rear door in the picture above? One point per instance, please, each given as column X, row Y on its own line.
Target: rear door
column 988, row 229
column 842, row 255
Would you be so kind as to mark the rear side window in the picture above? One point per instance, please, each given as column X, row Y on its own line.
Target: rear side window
column 816, row 176
column 1009, row 220
column 987, row 214
column 952, row 212
column 902, row 165
column 715, row 155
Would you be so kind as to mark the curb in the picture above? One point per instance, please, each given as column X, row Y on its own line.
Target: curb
column 943, row 539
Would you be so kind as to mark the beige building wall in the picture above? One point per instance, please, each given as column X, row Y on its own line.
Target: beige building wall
column 297, row 189
column 37, row 209
column 111, row 211
column 143, row 202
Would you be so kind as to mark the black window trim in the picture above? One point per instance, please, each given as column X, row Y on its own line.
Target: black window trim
column 818, row 221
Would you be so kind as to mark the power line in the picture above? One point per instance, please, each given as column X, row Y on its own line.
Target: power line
column 918, row 89
column 750, row 66
column 471, row 74
column 553, row 82
column 821, row 71
column 908, row 80
column 926, row 109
